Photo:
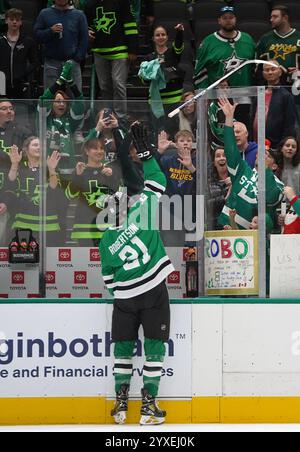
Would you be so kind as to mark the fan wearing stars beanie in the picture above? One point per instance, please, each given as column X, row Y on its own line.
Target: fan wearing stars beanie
column 223, row 51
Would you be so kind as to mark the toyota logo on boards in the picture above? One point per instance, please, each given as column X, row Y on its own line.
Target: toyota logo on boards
column 18, row 278
column 65, row 255
column 94, row 255
column 174, row 278
column 80, row 277
column 3, row 255
column 50, row 278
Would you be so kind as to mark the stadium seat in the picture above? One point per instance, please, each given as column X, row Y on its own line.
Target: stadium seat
column 204, row 28
column 206, row 10
column 255, row 29
column 171, row 11
column 27, row 27
column 29, row 8
column 252, row 11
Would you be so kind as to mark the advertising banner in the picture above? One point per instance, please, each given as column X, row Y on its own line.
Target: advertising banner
column 65, row 350
column 18, row 281
column 74, row 273
column 231, row 263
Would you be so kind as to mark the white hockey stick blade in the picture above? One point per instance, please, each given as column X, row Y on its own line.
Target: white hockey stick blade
column 202, row 93
column 174, row 113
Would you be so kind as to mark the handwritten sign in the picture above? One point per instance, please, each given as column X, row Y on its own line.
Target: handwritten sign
column 231, row 263
column 285, row 266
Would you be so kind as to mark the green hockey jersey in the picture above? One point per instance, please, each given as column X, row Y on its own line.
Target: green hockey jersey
column 134, row 259
column 60, row 130
column 87, row 189
column 284, row 49
column 244, row 179
column 116, row 33
column 28, row 191
column 217, row 56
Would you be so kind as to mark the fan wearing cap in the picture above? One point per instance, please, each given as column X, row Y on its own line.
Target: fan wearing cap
column 223, row 51
column 244, row 195
column 134, row 267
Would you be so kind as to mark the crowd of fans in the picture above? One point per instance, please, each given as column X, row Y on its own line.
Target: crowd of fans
column 89, row 152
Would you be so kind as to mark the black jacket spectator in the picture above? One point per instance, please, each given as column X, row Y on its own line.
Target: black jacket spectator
column 17, row 64
column 11, row 133
column 281, row 119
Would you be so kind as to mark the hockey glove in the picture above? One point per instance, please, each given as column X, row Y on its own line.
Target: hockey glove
column 66, row 75
column 141, row 142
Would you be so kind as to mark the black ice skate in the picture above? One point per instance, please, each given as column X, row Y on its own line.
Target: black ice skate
column 121, row 405
column 151, row 414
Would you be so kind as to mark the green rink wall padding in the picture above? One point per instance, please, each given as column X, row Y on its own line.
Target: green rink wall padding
column 188, row 301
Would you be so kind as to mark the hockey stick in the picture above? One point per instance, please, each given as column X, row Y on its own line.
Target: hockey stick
column 202, row 93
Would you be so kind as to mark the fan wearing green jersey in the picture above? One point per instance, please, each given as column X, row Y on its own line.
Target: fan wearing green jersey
column 223, row 51
column 134, row 267
column 282, row 43
column 243, row 197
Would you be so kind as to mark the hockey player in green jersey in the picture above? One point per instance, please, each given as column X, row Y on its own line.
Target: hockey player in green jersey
column 244, row 179
column 223, row 51
column 134, row 268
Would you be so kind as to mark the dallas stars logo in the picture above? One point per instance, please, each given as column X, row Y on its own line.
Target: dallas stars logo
column 232, row 62
column 105, row 21
column 95, row 193
column 281, row 51
column 4, row 148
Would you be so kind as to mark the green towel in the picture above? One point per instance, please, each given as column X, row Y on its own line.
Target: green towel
column 152, row 72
